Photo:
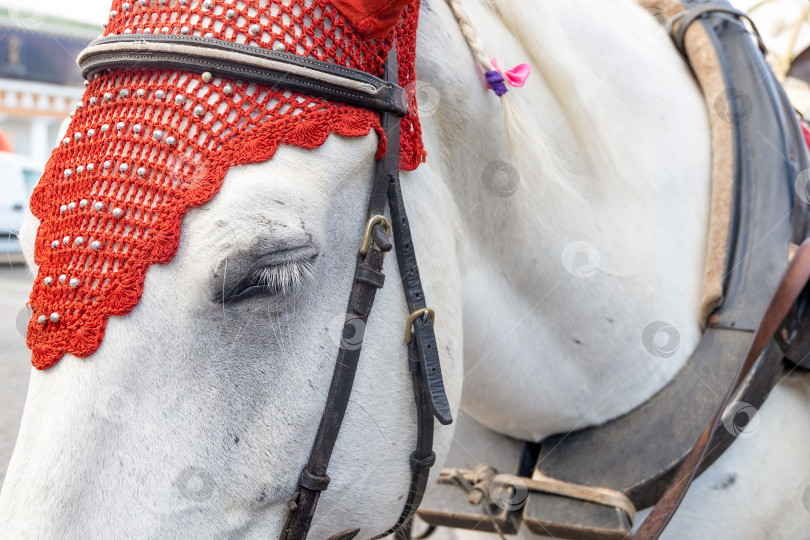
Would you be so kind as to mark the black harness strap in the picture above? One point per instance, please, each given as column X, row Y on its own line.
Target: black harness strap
column 423, row 356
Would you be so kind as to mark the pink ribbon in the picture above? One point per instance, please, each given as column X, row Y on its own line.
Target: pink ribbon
column 516, row 76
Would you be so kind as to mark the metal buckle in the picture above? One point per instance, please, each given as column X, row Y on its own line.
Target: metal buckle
column 424, row 312
column 367, row 240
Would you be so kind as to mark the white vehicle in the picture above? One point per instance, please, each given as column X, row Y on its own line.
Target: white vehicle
column 18, row 176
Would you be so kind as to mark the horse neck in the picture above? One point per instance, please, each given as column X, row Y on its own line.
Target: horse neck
column 588, row 174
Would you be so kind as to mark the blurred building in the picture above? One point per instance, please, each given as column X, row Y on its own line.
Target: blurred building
column 40, row 82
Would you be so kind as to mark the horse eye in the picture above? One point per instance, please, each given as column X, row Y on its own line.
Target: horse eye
column 273, row 280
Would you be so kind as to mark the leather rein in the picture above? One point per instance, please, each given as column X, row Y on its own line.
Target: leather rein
column 212, row 57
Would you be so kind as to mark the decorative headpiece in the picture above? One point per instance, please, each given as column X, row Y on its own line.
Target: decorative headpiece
column 145, row 145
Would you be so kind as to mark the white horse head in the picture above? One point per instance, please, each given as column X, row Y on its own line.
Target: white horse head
column 196, row 414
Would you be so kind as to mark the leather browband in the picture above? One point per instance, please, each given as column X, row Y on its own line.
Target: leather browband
column 243, row 62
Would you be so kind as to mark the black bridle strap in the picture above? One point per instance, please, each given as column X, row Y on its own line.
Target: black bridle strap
column 423, row 358
column 241, row 62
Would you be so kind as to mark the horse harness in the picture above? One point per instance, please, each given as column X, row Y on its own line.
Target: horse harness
column 287, row 71
column 735, row 327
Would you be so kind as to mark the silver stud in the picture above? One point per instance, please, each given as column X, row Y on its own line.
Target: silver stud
column 74, row 282
column 185, row 30
column 117, row 213
column 199, row 110
column 183, row 2
column 127, row 31
column 120, row 126
column 125, row 6
column 107, row 96
column 91, row 132
column 55, row 244
column 86, row 84
column 228, row 90
column 42, row 319
column 48, row 281
column 72, row 206
column 279, row 46
column 160, row 94
column 83, row 202
column 141, row 171
column 80, row 169
column 105, row 127
column 170, row 141
column 206, row 76
column 79, row 105
column 54, row 317
column 123, row 167
column 96, row 245
column 65, row 141
column 140, row 92
column 93, row 100
column 77, row 136
column 99, row 206
column 147, row 30
column 137, row 128
column 209, row 34
column 207, row 4
column 66, row 240
column 62, row 278
column 68, row 173
column 113, row 13
column 157, row 134
column 107, row 164
column 124, row 93
column 165, row 29
column 230, row 14
column 79, row 240
column 142, row 3
column 90, row 167
column 255, row 29
column 63, row 208
column 162, row 2
column 179, row 99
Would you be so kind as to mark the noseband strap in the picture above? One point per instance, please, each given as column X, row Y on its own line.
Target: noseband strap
column 423, row 359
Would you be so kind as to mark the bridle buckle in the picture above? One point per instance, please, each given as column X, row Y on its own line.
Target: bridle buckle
column 424, row 312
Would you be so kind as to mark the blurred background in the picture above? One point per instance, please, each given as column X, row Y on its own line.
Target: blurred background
column 40, row 85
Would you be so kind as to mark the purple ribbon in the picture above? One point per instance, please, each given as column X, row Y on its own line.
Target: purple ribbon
column 496, row 82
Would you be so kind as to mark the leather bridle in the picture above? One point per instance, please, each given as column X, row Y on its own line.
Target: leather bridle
column 287, row 71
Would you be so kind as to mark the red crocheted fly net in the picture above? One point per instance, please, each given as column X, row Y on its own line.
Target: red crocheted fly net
column 144, row 146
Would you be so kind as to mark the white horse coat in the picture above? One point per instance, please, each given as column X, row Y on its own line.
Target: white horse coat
column 545, row 266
